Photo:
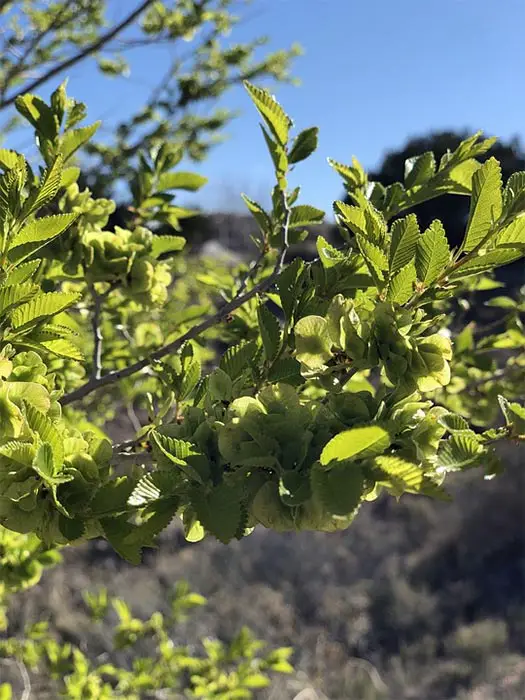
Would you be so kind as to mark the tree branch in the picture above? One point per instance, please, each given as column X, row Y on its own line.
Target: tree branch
column 88, row 50
column 96, row 383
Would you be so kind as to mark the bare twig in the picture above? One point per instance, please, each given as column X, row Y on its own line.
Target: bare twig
column 96, row 371
column 252, row 271
column 73, row 60
column 97, row 382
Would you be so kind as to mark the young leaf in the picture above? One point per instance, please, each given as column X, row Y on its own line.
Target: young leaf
column 237, row 358
column 49, row 186
column 405, row 235
column 166, row 244
column 41, row 306
column 305, row 215
column 419, row 169
column 401, row 286
column 262, row 218
column 38, row 114
column 271, row 111
column 338, row 489
column 432, row 253
column 218, row 511
column 191, row 182
column 356, row 443
column 42, row 230
column 270, row 332
column 71, row 141
column 375, row 259
column 485, row 204
column 304, row 145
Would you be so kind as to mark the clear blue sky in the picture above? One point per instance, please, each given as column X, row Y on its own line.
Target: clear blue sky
column 374, row 72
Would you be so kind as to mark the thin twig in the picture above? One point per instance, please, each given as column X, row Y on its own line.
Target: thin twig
column 96, row 383
column 96, row 371
column 252, row 271
column 73, row 60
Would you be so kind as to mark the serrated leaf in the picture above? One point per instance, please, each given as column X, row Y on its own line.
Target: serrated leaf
column 177, row 451
column 485, row 204
column 461, row 450
column 145, row 492
column 62, row 348
column 513, row 234
column 287, row 284
column 432, row 253
column 237, row 358
column 339, row 490
column 9, row 159
column 411, row 476
column 356, row 443
column 375, row 259
column 190, row 379
column 72, row 140
column 166, row 244
column 38, row 114
column 278, row 155
column 351, row 216
column 405, row 236
column 401, row 286
column 328, row 255
column 271, row 111
column 46, row 430
column 304, row 145
column 42, row 230
column 21, row 273
column 48, row 188
column 286, row 369
column 270, row 332
column 419, row 169
column 219, row 512
column 41, row 306
column 13, row 295
column 488, row 261
column 262, row 218
column 305, row 215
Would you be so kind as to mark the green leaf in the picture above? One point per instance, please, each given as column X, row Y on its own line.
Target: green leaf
column 286, row 369
column 13, row 295
column 219, row 511
column 73, row 140
column 514, row 233
column 9, row 159
column 405, row 236
column 190, row 379
column 262, row 218
column 419, row 169
column 287, row 284
column 49, row 185
column 461, row 450
column 304, row 145
column 486, row 262
column 42, row 230
column 401, row 286
column 339, row 489
column 237, row 358
column 46, row 430
column 305, row 215
column 432, row 253
column 177, row 451
column 328, row 255
column 190, row 182
column 514, row 415
column 375, row 259
column 312, row 341
column 166, row 244
column 270, row 332
column 271, row 111
column 356, row 443
column 41, row 306
column 411, row 476
column 485, row 204
column 38, row 114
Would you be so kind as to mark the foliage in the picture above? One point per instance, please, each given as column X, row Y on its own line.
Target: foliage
column 42, row 40
column 57, row 669
column 353, row 390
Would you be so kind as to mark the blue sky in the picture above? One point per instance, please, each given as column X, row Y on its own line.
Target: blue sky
column 374, row 72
